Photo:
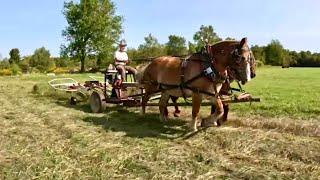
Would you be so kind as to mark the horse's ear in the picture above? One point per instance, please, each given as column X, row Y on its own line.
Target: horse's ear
column 243, row 42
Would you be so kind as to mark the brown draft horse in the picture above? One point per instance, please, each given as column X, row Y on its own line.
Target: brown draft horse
column 225, row 90
column 197, row 77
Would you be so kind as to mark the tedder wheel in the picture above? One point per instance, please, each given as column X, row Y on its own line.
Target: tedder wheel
column 73, row 101
column 96, row 102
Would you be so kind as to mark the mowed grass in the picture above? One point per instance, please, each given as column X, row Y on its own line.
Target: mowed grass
column 43, row 137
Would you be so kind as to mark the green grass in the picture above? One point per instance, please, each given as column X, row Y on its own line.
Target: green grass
column 43, row 137
column 289, row 92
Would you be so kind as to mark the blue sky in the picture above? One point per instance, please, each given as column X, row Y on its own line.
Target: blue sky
column 31, row 24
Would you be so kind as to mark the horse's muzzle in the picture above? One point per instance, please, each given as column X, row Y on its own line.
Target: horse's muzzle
column 253, row 75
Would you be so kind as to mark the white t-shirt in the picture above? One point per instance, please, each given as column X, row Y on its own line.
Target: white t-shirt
column 121, row 57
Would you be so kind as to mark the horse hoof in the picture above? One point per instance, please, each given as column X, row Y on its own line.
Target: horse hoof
column 194, row 129
column 219, row 123
column 206, row 123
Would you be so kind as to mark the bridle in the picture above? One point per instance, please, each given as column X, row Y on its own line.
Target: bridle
column 237, row 56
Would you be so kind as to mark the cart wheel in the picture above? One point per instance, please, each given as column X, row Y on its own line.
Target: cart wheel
column 96, row 102
column 73, row 101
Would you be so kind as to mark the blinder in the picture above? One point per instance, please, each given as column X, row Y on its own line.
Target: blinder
column 209, row 72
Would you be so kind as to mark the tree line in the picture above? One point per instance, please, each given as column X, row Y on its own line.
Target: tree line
column 93, row 32
column 276, row 55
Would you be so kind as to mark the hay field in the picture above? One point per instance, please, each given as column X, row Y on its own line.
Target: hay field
column 43, row 137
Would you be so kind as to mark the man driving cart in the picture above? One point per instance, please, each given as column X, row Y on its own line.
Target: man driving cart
column 122, row 61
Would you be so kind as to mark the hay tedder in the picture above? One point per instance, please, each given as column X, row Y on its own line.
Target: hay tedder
column 129, row 93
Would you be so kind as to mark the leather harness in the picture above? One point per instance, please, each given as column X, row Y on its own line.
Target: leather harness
column 208, row 71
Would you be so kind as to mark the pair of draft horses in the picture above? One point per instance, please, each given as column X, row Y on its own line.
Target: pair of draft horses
column 199, row 76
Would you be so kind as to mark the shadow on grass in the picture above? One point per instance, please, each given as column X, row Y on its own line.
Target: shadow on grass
column 121, row 119
column 140, row 126
column 85, row 107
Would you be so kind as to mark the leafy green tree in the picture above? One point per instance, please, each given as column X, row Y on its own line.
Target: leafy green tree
column 41, row 60
column 4, row 64
column 176, row 46
column 274, row 53
column 25, row 64
column 15, row 69
column 150, row 48
column 93, row 28
column 295, row 56
column 133, row 54
column 191, row 48
column 287, row 59
column 230, row 39
column 206, row 33
column 14, row 56
column 259, row 53
column 61, row 61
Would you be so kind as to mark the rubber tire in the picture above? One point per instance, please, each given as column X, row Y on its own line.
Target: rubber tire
column 96, row 102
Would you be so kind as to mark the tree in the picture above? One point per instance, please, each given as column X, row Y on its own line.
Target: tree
column 150, row 48
column 274, row 53
column 4, row 64
column 41, row 60
column 230, row 39
column 14, row 56
column 191, row 48
column 60, row 61
column 25, row 64
column 93, row 28
column 176, row 46
column 205, row 33
column 259, row 53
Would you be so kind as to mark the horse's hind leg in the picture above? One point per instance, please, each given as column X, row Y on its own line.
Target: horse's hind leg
column 196, row 103
column 177, row 111
column 163, row 105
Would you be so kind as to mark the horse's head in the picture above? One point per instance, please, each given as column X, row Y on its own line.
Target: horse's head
column 235, row 56
column 240, row 61
column 233, row 75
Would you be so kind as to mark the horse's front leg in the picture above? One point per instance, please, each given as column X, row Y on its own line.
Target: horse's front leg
column 163, row 106
column 144, row 102
column 196, row 103
column 217, row 113
column 225, row 113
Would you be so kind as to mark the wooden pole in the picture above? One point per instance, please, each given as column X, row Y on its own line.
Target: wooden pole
column 208, row 103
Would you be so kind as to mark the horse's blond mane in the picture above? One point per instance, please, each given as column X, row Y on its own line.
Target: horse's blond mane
column 225, row 41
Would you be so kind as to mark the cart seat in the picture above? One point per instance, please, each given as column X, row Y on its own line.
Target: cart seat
column 112, row 71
